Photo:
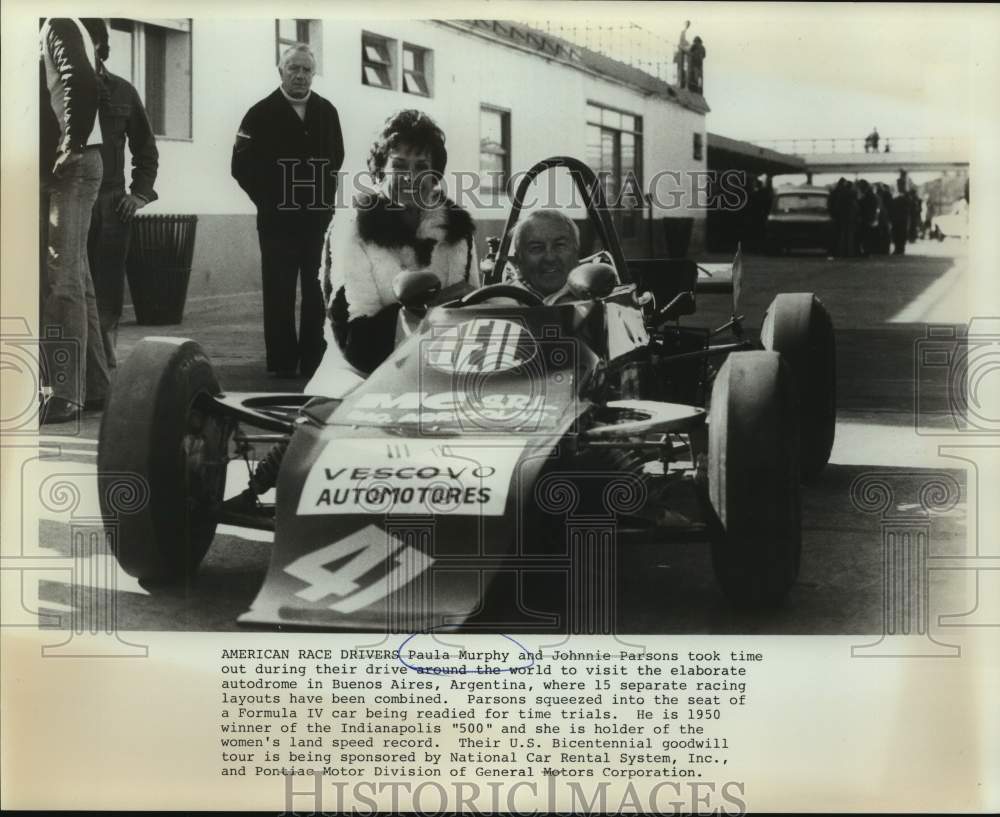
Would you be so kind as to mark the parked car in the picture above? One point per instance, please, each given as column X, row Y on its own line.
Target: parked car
column 799, row 219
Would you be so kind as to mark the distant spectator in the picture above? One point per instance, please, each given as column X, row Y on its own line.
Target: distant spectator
column 914, row 198
column 888, row 149
column 681, row 56
column 871, row 141
column 883, row 242
column 696, row 58
column 900, row 218
column 852, row 217
column 867, row 218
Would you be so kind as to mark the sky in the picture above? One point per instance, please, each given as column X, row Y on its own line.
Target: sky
column 819, row 70
column 837, row 71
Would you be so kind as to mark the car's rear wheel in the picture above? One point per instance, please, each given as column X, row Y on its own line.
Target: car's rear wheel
column 753, row 479
column 799, row 327
column 154, row 428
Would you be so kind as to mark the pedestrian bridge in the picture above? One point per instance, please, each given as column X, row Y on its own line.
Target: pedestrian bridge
column 848, row 155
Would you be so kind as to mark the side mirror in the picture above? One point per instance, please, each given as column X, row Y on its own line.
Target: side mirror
column 592, row 280
column 416, row 289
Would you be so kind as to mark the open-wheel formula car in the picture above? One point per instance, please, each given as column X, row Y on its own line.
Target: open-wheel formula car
column 500, row 456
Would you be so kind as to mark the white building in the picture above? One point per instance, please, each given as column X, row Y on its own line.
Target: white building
column 505, row 96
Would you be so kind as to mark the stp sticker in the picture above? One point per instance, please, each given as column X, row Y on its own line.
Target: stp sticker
column 422, row 476
column 481, row 346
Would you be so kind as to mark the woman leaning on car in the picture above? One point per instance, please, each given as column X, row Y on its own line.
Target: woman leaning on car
column 406, row 223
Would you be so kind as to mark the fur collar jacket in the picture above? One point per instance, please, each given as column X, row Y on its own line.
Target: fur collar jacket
column 367, row 247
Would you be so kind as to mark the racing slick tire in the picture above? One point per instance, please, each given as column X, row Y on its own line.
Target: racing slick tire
column 753, row 480
column 798, row 326
column 153, row 431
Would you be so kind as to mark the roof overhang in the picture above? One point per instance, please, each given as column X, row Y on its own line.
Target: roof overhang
column 732, row 154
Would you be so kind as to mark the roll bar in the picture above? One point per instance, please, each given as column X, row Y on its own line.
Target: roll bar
column 597, row 210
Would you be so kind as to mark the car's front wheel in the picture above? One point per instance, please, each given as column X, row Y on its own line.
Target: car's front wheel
column 753, row 479
column 155, row 429
column 799, row 327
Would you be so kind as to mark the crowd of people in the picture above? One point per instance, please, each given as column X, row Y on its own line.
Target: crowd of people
column 868, row 218
column 872, row 219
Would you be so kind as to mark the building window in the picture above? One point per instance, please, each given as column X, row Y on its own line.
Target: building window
column 697, row 146
column 377, row 63
column 614, row 153
column 416, row 70
column 291, row 32
column 494, row 148
column 155, row 56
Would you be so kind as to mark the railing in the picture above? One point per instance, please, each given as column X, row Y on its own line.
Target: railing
column 626, row 42
column 851, row 144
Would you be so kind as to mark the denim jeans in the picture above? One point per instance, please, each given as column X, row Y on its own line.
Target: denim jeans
column 107, row 250
column 73, row 352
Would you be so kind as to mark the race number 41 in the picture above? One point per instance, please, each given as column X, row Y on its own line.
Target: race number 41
column 371, row 547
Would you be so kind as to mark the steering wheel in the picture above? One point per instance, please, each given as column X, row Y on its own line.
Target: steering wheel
column 519, row 294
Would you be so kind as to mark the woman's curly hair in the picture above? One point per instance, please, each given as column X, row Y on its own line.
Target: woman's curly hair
column 413, row 128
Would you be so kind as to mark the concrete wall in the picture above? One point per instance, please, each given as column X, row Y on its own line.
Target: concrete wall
column 547, row 101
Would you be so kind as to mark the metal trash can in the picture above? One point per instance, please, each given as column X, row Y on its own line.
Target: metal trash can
column 159, row 267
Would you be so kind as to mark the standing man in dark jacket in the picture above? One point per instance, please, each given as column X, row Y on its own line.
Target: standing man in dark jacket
column 288, row 152
column 122, row 117
column 868, row 227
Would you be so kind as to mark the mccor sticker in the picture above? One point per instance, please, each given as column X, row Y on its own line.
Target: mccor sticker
column 481, row 346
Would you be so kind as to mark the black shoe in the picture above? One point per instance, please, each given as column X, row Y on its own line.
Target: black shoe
column 58, row 410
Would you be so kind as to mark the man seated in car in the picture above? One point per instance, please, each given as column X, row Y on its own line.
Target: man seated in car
column 546, row 249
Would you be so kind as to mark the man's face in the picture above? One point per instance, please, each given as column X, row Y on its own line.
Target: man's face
column 546, row 252
column 297, row 75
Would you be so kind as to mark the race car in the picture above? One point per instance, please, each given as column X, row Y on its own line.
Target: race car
column 487, row 472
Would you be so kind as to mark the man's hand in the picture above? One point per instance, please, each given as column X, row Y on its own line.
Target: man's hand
column 128, row 205
column 65, row 160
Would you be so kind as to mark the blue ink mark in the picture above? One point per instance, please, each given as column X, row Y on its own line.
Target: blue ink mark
column 424, row 670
